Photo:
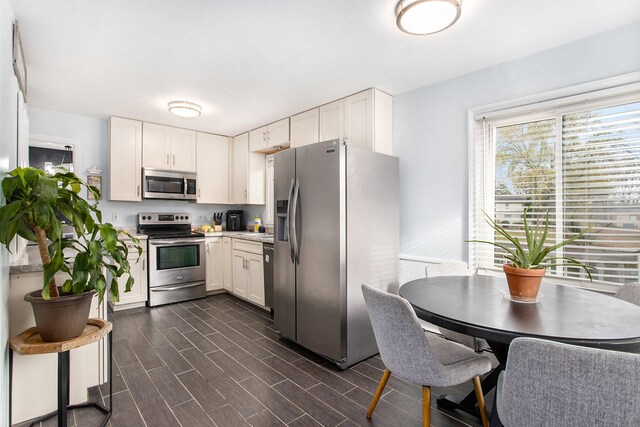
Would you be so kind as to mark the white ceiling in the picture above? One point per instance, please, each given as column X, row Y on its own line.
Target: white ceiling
column 251, row 62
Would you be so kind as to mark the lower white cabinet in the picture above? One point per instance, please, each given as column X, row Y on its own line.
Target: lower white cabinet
column 227, row 264
column 248, row 276
column 139, row 291
column 214, row 248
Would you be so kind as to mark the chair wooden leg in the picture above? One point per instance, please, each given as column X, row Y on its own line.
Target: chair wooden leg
column 376, row 397
column 426, row 406
column 480, row 396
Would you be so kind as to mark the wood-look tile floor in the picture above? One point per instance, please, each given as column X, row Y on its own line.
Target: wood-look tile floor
column 218, row 361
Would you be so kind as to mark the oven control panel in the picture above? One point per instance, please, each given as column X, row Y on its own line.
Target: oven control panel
column 156, row 218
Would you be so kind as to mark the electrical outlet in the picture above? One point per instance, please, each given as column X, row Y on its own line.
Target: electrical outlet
column 114, row 217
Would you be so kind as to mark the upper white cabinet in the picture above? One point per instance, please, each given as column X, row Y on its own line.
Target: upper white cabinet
column 183, row 150
column 239, row 169
column 363, row 120
column 305, row 127
column 168, row 148
column 248, row 173
column 125, row 159
column 267, row 138
column 332, row 120
column 213, row 168
column 156, row 147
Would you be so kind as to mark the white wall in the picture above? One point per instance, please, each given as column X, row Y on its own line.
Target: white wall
column 8, row 150
column 430, row 132
column 91, row 134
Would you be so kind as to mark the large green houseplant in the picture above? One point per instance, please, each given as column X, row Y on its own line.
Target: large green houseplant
column 529, row 260
column 35, row 204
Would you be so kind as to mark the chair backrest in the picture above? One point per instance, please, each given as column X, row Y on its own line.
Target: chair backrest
column 629, row 292
column 404, row 348
column 447, row 269
column 549, row 383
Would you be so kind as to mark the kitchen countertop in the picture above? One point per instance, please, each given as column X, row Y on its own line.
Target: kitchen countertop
column 246, row 235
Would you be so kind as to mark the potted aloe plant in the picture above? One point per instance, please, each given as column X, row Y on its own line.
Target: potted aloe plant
column 528, row 261
column 35, row 202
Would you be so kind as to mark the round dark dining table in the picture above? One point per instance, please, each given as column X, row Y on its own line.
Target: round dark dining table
column 475, row 305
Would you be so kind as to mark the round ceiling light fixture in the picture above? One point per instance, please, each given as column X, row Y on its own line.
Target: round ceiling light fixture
column 184, row 108
column 422, row 17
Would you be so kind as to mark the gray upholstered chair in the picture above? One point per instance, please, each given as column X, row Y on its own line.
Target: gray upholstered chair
column 419, row 357
column 455, row 269
column 629, row 292
column 549, row 383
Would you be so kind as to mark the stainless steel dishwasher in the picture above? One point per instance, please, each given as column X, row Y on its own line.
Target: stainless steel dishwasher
column 267, row 251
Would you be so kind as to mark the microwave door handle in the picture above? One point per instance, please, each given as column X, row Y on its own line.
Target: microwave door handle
column 184, row 180
column 287, row 223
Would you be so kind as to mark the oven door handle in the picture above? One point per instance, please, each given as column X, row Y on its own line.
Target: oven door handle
column 175, row 288
column 176, row 242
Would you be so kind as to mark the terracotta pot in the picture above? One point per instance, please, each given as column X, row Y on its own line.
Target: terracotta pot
column 524, row 283
column 62, row 318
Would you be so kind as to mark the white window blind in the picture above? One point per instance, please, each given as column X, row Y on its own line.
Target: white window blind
column 580, row 165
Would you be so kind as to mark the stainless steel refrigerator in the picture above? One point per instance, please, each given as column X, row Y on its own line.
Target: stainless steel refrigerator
column 336, row 227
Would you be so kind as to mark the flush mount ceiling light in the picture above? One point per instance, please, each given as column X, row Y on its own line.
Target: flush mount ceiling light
column 422, row 17
column 184, row 108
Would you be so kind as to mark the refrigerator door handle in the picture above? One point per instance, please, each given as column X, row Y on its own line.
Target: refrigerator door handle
column 294, row 237
column 287, row 222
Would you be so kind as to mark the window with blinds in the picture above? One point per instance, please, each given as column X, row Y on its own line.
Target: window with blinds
column 577, row 166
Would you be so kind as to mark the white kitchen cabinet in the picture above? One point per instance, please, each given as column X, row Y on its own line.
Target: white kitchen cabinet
column 137, row 297
column 248, row 275
column 267, row 138
column 168, row 148
column 256, row 179
column 213, row 168
column 248, row 173
column 125, row 159
column 255, row 272
column 278, row 134
column 332, row 120
column 363, row 120
column 183, row 150
column 358, row 120
column 227, row 264
column 258, row 139
column 156, row 146
column 214, row 263
column 240, row 276
column 240, row 169
column 305, row 127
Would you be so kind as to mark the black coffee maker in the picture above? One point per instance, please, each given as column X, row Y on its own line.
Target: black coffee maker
column 235, row 221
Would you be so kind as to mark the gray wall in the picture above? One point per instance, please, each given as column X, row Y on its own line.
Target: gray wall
column 430, row 132
column 91, row 135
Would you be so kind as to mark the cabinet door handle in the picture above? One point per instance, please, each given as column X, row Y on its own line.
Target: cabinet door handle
column 168, row 160
column 207, row 248
column 174, row 160
column 199, row 192
column 138, row 190
column 143, row 264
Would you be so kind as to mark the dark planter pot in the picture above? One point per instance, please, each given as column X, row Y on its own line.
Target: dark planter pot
column 62, row 318
column 524, row 283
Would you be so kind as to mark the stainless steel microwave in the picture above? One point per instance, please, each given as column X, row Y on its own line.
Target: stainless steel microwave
column 161, row 184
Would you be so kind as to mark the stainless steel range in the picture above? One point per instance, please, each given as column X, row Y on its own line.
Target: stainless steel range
column 177, row 269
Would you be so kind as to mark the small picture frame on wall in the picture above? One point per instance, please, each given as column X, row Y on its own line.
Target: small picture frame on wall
column 96, row 181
